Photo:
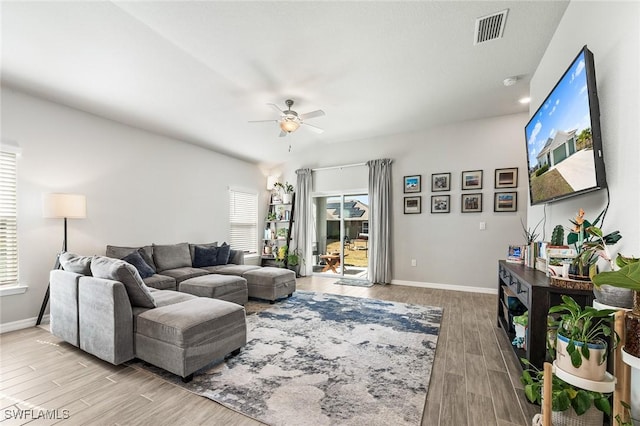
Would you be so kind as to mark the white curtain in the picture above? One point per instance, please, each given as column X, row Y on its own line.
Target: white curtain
column 380, row 221
column 302, row 218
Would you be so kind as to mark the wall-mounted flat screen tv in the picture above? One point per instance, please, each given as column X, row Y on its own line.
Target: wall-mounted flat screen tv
column 564, row 144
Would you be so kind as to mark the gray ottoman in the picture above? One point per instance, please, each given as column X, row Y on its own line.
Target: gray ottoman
column 270, row 283
column 186, row 336
column 223, row 287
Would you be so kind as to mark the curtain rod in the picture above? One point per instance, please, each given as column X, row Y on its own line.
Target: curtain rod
column 338, row 167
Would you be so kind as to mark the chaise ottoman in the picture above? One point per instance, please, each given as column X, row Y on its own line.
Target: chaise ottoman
column 223, row 287
column 186, row 336
column 270, row 283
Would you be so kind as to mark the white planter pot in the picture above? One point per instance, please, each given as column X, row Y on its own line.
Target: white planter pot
column 593, row 368
column 286, row 198
column 592, row 417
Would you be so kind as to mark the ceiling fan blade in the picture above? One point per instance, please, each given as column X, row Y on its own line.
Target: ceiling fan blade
column 315, row 129
column 312, row 114
column 283, row 133
column 276, row 107
column 262, row 121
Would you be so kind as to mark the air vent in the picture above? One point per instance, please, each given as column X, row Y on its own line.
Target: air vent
column 490, row 27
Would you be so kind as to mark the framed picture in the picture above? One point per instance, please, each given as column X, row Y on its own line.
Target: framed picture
column 471, row 203
column 412, row 183
column 440, row 182
column 506, row 178
column 472, row 179
column 413, row 205
column 440, row 204
column 505, row 202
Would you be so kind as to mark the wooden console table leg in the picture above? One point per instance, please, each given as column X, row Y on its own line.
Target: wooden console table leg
column 546, row 394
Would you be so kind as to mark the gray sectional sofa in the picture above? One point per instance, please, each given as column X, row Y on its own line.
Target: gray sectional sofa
column 103, row 305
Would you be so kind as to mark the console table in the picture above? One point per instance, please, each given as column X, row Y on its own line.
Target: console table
column 534, row 291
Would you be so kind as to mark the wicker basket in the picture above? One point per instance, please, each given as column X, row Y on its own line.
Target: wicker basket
column 571, row 283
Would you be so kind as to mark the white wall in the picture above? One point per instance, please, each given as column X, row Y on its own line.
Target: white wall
column 610, row 30
column 141, row 188
column 449, row 248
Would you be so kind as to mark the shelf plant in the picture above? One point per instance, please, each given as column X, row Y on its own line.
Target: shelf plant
column 564, row 395
column 582, row 333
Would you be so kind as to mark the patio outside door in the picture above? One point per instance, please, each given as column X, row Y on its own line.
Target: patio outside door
column 341, row 241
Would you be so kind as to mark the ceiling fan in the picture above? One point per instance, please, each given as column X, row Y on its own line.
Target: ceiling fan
column 290, row 120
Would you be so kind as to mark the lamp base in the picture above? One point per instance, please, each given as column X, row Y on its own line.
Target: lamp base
column 46, row 295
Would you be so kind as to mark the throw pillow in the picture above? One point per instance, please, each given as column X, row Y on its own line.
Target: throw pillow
column 205, row 256
column 232, row 255
column 74, row 263
column 119, row 270
column 224, row 251
column 171, row 256
column 135, row 258
column 192, row 248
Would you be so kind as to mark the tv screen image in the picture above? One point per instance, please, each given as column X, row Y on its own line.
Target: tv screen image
column 564, row 145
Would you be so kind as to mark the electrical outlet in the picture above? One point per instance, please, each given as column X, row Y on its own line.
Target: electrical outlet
column 413, row 262
column 483, row 226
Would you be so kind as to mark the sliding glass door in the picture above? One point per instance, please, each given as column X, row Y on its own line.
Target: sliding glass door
column 341, row 240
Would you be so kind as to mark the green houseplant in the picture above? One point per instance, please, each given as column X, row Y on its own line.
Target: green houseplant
column 564, row 396
column 294, row 259
column 628, row 276
column 581, row 345
column 286, row 190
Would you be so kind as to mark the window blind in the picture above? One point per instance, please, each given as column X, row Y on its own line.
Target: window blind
column 8, row 219
column 243, row 218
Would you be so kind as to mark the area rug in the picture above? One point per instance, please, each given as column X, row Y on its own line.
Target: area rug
column 322, row 359
column 354, row 282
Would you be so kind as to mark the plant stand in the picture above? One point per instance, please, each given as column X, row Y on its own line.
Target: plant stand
column 618, row 383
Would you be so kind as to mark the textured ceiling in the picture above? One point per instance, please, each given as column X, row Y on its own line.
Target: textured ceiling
column 198, row 71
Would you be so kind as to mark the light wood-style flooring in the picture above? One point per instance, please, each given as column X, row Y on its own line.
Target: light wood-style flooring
column 475, row 377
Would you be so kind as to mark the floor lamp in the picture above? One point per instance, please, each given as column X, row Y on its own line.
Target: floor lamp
column 61, row 206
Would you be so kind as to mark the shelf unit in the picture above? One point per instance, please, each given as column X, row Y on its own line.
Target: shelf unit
column 284, row 223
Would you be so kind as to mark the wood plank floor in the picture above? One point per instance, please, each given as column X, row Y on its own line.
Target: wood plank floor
column 474, row 379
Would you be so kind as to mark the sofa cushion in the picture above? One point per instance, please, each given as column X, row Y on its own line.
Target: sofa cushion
column 192, row 248
column 205, row 256
column 160, row 282
column 74, row 263
column 181, row 274
column 118, row 252
column 119, row 270
column 135, row 258
column 171, row 256
column 189, row 323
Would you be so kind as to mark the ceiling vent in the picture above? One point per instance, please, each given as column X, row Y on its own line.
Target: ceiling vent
column 490, row 27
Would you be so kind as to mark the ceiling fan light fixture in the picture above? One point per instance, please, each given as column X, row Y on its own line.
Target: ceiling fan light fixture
column 289, row 125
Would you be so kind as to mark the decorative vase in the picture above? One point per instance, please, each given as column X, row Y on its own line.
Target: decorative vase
column 632, row 328
column 593, row 368
column 614, row 296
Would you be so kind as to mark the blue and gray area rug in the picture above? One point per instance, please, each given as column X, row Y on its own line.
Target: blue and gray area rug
column 322, row 359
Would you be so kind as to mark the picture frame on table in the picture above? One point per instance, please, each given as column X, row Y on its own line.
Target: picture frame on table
column 413, row 205
column 412, row 184
column 505, row 202
column 506, row 178
column 471, row 203
column 440, row 182
column 440, row 203
column 471, row 179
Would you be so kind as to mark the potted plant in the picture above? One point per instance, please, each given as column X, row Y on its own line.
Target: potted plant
column 286, row 190
column 587, row 244
column 569, row 403
column 581, row 345
column 294, row 258
column 628, row 276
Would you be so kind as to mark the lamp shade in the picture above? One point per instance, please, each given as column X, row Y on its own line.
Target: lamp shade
column 289, row 125
column 71, row 206
column 271, row 182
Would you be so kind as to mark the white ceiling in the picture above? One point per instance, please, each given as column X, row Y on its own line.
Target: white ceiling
column 198, row 71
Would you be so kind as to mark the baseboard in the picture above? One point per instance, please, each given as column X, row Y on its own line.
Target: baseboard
column 446, row 287
column 21, row 324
